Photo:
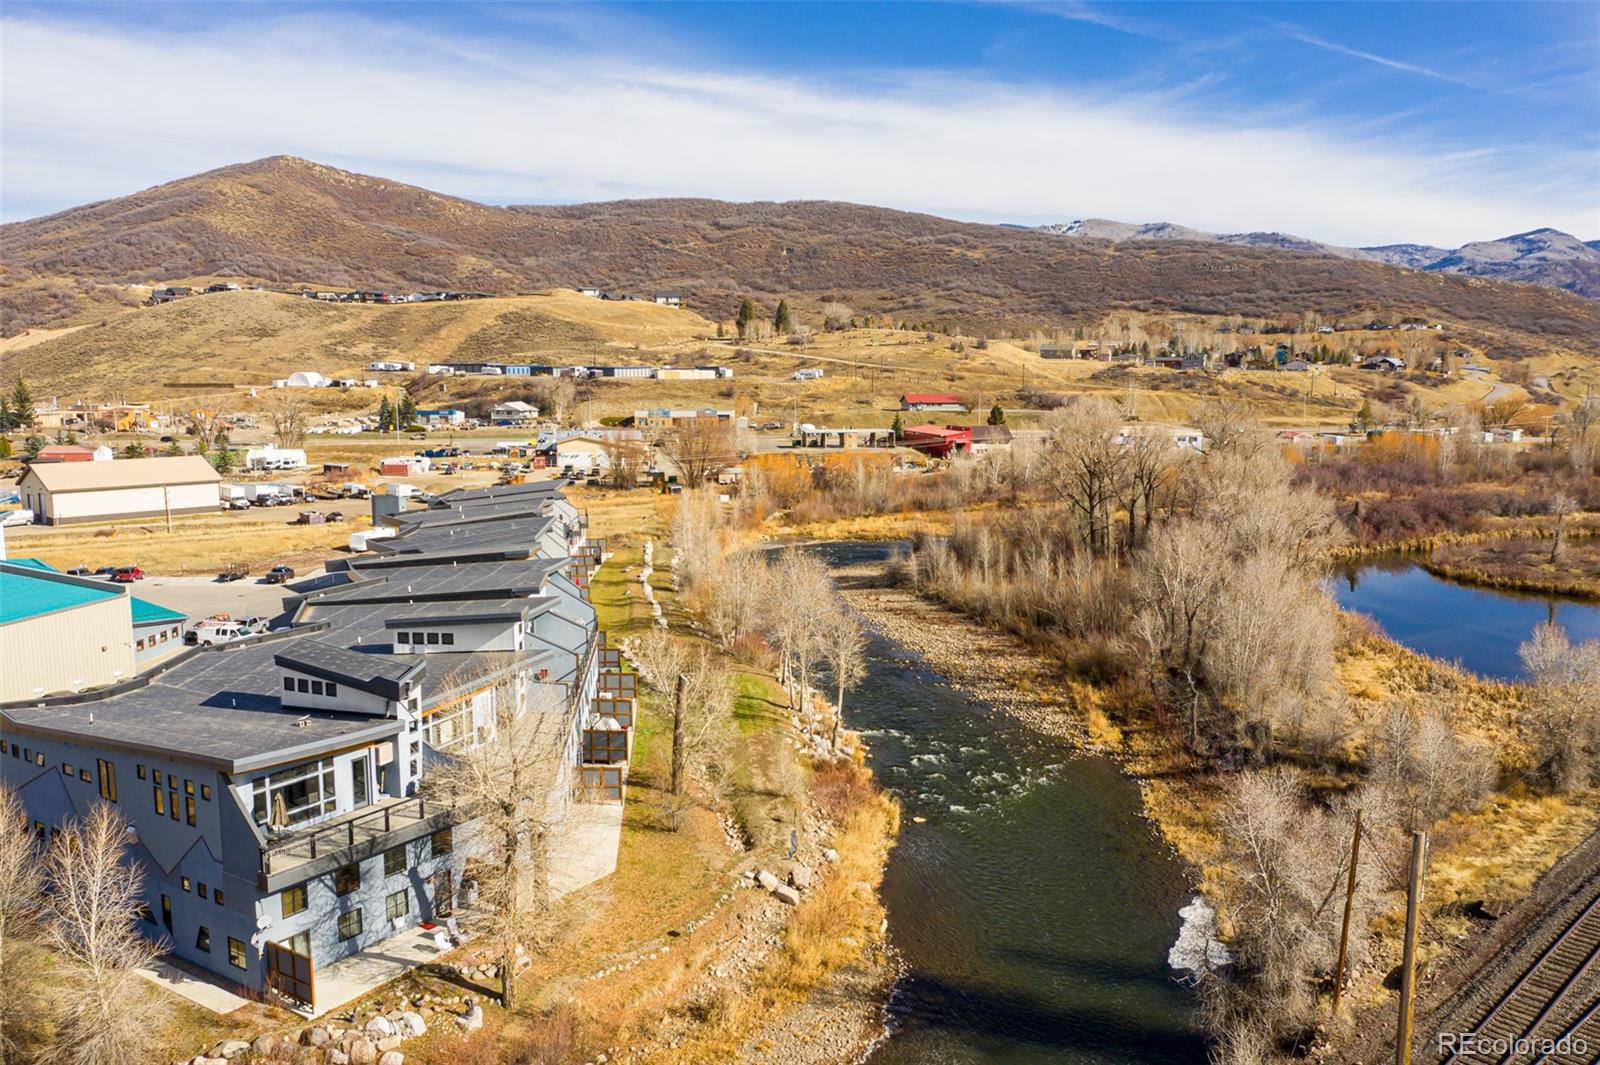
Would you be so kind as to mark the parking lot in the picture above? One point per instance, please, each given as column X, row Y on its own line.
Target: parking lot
column 198, row 597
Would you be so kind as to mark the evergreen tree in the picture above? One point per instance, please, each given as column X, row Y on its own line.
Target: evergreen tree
column 408, row 410
column 22, row 412
column 997, row 416
column 781, row 322
column 1364, row 415
column 174, row 448
column 5, row 447
column 721, row 332
column 898, row 427
column 31, row 446
column 224, row 459
column 747, row 314
column 1144, row 349
column 6, row 422
column 385, row 415
column 135, row 450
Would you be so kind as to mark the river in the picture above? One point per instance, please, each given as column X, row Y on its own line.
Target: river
column 1478, row 628
column 1032, row 904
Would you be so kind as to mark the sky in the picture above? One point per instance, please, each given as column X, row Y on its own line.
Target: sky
column 1354, row 123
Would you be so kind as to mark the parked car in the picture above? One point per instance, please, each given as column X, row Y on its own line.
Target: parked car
column 334, row 515
column 80, row 571
column 210, row 632
column 234, row 571
column 17, row 517
column 126, row 574
column 279, row 575
column 254, row 623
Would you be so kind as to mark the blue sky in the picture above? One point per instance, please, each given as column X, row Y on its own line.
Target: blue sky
column 1354, row 123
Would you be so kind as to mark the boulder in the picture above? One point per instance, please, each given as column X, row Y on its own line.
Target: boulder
column 335, row 1056
column 830, row 855
column 393, row 1057
column 315, row 1036
column 264, row 1045
column 786, row 895
column 411, row 1025
column 800, row 877
column 379, row 1028
column 767, row 880
column 362, row 1052
column 388, row 1043
column 229, row 1048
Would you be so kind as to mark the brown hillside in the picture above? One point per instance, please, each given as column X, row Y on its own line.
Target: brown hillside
column 286, row 221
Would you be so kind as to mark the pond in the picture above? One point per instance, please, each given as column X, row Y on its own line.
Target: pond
column 1478, row 628
column 1032, row 903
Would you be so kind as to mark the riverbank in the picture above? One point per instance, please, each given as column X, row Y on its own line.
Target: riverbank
column 1513, row 554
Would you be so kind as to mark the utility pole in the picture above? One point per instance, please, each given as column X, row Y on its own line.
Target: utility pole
column 1344, row 930
column 1408, row 963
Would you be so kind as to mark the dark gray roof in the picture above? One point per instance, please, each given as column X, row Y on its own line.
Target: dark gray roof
column 515, row 532
column 502, row 492
column 473, row 610
column 379, row 674
column 486, row 553
column 423, row 583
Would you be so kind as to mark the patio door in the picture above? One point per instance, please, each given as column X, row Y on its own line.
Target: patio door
column 444, row 894
column 290, row 974
column 358, row 782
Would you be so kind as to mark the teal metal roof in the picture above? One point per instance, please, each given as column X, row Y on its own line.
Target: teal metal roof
column 23, row 596
column 145, row 612
column 33, row 563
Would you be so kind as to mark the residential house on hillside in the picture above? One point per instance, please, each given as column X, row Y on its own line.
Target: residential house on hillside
column 670, row 298
column 932, row 401
column 1384, row 363
column 513, row 412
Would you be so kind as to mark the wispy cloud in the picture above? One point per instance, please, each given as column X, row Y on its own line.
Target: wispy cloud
column 1307, row 37
column 526, row 120
column 1096, row 15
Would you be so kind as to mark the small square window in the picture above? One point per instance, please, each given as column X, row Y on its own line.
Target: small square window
column 332, row 689
column 216, row 896
column 236, row 954
column 347, row 879
column 433, row 637
column 184, row 881
column 85, row 776
column 302, row 685
column 205, row 792
column 202, row 939
column 66, row 769
column 38, row 759
column 294, row 900
column 188, row 787
column 139, row 769
column 200, row 889
column 172, row 780
column 394, row 860
column 447, row 637
column 442, row 843
column 288, row 684
column 316, row 687
column 349, row 925
column 403, row 637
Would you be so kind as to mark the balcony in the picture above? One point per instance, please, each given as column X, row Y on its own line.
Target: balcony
column 291, row 857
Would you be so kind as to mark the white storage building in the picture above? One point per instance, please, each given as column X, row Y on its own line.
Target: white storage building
column 63, row 492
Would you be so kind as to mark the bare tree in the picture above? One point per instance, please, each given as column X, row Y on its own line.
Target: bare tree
column 1562, row 721
column 1147, row 457
column 1561, row 506
column 206, row 426
column 626, row 460
column 699, row 448
column 1084, row 466
column 507, row 785
column 844, row 649
column 19, row 901
column 107, row 1013
column 801, row 583
column 836, row 316
column 1427, row 768
column 738, row 602
column 287, row 413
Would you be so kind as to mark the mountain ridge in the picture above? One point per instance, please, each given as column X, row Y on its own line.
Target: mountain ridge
column 286, row 222
column 1543, row 256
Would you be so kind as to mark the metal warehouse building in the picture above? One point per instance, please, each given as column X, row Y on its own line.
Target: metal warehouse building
column 63, row 492
column 57, row 630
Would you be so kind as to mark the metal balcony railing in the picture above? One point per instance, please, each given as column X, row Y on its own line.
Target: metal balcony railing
column 285, row 851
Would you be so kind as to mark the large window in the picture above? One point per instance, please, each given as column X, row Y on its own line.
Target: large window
column 294, row 900
column 394, row 860
column 347, row 879
column 296, row 795
column 397, row 905
column 236, row 953
column 349, row 925
column 442, row 843
column 108, row 779
column 447, row 728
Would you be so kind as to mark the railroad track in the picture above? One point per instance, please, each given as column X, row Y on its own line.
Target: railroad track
column 1551, row 1014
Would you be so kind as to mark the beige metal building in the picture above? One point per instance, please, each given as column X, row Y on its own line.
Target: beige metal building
column 59, row 633
column 63, row 492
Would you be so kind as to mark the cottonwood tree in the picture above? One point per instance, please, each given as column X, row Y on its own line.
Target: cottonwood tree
column 1562, row 720
column 508, row 786
column 738, row 601
column 1284, row 902
column 1561, row 506
column 1147, row 458
column 844, row 649
column 19, row 903
column 206, row 426
column 801, row 583
column 106, row 1013
column 288, row 415
column 1083, row 466
column 625, row 461
column 1427, row 768
column 699, row 448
